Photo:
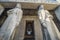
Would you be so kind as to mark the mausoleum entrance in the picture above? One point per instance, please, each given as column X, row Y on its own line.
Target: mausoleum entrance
column 29, row 30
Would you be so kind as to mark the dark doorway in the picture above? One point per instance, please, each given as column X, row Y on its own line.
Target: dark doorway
column 29, row 31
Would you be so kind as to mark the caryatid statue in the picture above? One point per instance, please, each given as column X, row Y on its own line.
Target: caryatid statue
column 13, row 19
column 45, row 19
column 17, row 11
column 41, row 13
column 44, row 15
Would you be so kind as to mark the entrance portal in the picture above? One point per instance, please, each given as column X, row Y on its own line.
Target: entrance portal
column 29, row 30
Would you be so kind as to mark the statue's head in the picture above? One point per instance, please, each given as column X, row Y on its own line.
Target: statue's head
column 18, row 5
column 41, row 7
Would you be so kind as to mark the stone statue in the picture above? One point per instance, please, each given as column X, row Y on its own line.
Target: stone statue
column 45, row 19
column 41, row 13
column 13, row 19
column 17, row 11
column 44, row 15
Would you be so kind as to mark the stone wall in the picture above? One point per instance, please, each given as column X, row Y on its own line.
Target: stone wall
column 55, row 29
column 21, row 28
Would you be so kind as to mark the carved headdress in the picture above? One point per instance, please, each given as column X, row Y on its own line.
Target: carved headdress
column 18, row 5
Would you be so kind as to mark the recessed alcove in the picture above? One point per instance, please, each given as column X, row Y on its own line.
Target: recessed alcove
column 29, row 30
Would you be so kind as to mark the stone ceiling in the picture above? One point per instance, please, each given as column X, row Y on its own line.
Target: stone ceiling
column 30, row 5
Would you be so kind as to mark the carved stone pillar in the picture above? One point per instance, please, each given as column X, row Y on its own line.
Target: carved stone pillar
column 14, row 18
column 44, row 18
column 1, row 9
